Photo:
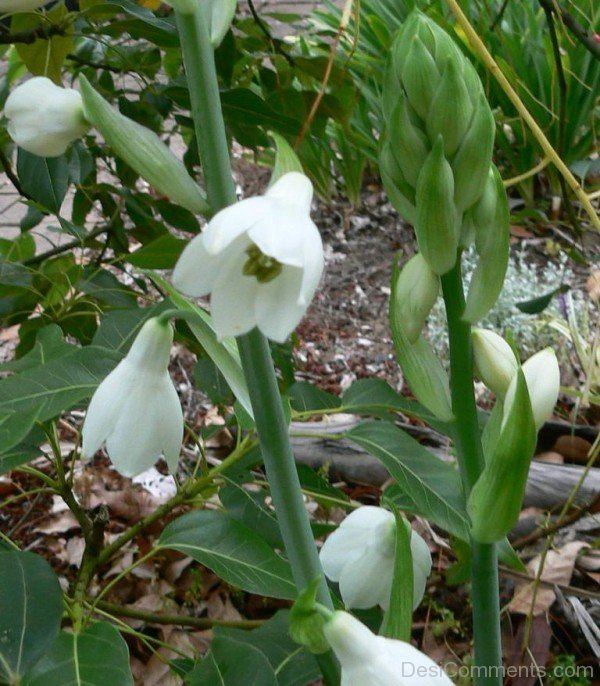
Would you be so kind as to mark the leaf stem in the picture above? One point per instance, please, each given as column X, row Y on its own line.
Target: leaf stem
column 484, row 557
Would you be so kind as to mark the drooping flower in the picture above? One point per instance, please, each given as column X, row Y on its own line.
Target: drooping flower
column 542, row 375
column 359, row 555
column 260, row 259
column 368, row 659
column 44, row 118
column 136, row 410
column 495, row 361
column 12, row 6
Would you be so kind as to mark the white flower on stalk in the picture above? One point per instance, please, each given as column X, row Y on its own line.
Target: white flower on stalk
column 261, row 259
column 371, row 660
column 44, row 118
column 494, row 359
column 12, row 6
column 136, row 410
column 360, row 554
column 542, row 375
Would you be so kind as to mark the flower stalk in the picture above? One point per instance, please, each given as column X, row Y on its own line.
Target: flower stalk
column 254, row 349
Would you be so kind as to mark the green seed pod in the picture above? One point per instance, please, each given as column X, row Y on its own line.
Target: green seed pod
column 438, row 223
column 420, row 77
column 451, row 109
column 143, row 151
column 416, row 291
column 423, row 370
column 494, row 240
column 495, row 502
column 408, row 143
column 474, row 156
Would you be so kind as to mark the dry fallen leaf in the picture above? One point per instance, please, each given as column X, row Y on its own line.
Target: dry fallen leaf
column 558, row 569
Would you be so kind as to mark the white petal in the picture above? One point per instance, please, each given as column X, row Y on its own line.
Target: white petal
column 353, row 643
column 282, row 234
column 313, row 266
column 196, row 270
column 422, row 564
column 367, row 580
column 232, row 304
column 277, row 309
column 351, row 538
column 170, row 423
column 105, row 408
column 150, row 351
column 232, row 222
column 294, row 189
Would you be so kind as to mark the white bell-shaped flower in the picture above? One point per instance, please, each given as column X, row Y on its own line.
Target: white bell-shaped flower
column 261, row 259
column 370, row 660
column 44, row 118
column 136, row 410
column 494, row 359
column 542, row 375
column 359, row 555
column 12, row 6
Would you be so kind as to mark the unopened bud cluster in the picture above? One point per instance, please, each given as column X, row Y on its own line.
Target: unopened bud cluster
column 436, row 152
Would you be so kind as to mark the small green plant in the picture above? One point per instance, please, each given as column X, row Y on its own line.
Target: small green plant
column 565, row 672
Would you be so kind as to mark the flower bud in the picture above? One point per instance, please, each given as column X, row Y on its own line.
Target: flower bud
column 420, row 77
column 438, row 223
column 143, row 151
column 495, row 502
column 495, row 362
column 12, row 6
column 400, row 193
column 542, row 374
column 474, row 156
column 408, row 143
column 492, row 239
column 451, row 109
column 416, row 291
column 44, row 118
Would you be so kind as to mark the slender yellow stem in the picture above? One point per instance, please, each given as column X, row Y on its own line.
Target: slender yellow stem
column 485, row 56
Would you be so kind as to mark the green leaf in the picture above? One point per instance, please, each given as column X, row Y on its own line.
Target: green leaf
column 95, row 657
column 241, row 105
column 232, row 663
column 398, row 617
column 49, row 344
column 248, row 508
column 539, row 304
column 44, row 179
column 15, row 427
column 306, row 397
column 223, row 353
column 293, row 665
column 161, row 253
column 119, row 327
column 425, row 485
column 231, row 550
column 286, row 159
column 32, row 605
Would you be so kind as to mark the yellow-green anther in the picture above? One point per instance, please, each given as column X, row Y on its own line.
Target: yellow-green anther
column 438, row 223
column 263, row 267
column 495, row 502
column 417, row 289
column 408, row 143
column 494, row 240
column 451, row 109
column 474, row 156
column 420, row 77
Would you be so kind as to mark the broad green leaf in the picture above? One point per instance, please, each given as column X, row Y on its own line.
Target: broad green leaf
column 248, row 508
column 31, row 607
column 44, row 179
column 231, row 550
column 14, row 428
column 427, row 486
column 98, row 656
column 293, row 665
column 49, row 344
column 119, row 327
column 233, row 663
column 161, row 253
column 223, row 353
column 539, row 304
column 306, row 397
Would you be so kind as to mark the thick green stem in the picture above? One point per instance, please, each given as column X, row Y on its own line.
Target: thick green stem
column 484, row 560
column 258, row 367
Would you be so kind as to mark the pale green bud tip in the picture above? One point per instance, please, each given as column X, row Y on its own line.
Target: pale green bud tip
column 417, row 290
column 542, row 375
column 495, row 362
column 152, row 346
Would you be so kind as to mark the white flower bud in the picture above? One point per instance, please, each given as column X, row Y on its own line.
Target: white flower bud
column 495, row 362
column 44, row 118
column 136, row 409
column 12, row 6
column 368, row 659
column 542, row 375
column 417, row 290
column 360, row 556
